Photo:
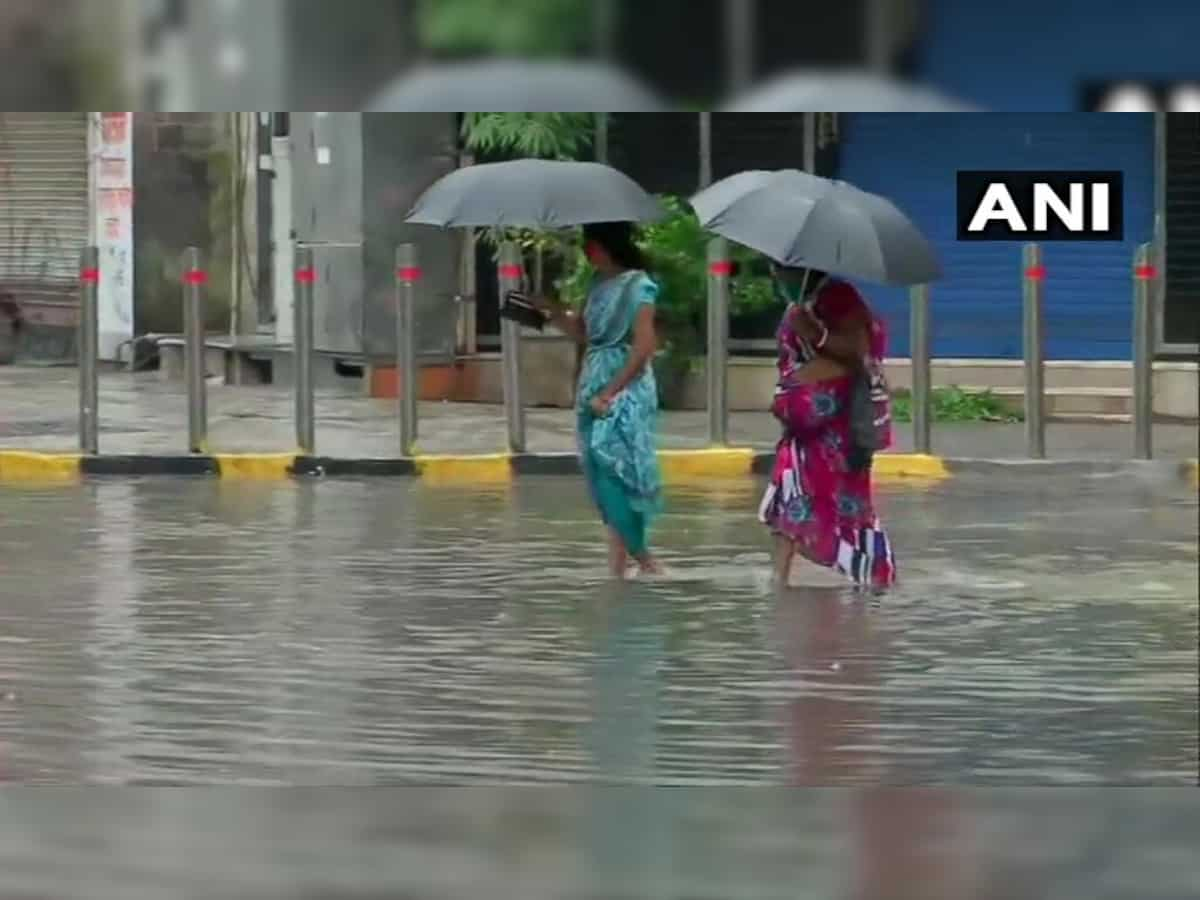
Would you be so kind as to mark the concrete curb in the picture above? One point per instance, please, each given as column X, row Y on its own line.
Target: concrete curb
column 686, row 467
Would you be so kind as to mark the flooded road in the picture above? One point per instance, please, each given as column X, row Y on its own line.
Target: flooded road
column 180, row 632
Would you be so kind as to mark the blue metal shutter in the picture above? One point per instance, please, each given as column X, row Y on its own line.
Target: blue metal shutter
column 913, row 158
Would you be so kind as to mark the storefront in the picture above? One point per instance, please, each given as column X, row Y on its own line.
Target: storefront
column 913, row 159
column 43, row 222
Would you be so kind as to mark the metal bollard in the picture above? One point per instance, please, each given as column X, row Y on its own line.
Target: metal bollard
column 194, row 363
column 510, row 277
column 720, row 270
column 408, row 274
column 1145, row 276
column 1032, row 279
column 922, row 376
column 302, row 351
column 89, row 351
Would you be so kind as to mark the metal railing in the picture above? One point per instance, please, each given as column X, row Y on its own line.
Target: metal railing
column 510, row 274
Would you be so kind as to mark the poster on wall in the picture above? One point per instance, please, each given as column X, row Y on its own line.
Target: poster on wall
column 111, row 148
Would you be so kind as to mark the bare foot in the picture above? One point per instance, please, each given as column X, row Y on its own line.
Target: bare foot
column 648, row 565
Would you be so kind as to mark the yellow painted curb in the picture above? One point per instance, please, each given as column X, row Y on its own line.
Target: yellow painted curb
column 256, row 466
column 39, row 468
column 483, row 469
column 898, row 466
column 1194, row 471
column 682, row 466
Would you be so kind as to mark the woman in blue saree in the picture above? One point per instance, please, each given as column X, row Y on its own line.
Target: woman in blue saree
column 617, row 398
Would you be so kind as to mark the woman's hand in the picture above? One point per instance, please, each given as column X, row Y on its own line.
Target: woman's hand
column 602, row 404
column 807, row 325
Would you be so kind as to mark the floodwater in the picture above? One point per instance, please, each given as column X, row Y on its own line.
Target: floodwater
column 208, row 632
column 391, row 633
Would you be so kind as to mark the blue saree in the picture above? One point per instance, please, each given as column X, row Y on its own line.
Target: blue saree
column 617, row 451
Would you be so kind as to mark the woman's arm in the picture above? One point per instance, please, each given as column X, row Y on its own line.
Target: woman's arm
column 848, row 343
column 642, row 350
column 566, row 321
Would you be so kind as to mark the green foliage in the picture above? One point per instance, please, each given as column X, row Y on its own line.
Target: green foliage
column 561, row 135
column 504, row 27
column 676, row 251
column 953, row 404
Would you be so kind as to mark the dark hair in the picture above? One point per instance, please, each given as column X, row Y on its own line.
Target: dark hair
column 617, row 239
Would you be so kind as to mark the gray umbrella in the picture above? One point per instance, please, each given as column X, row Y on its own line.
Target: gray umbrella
column 799, row 219
column 844, row 91
column 515, row 86
column 534, row 193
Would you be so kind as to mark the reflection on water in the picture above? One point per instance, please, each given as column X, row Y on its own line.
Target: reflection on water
column 726, row 843
column 198, row 632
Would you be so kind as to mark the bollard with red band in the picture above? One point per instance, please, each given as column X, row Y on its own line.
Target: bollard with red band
column 920, row 353
column 302, row 351
column 89, row 351
column 1145, row 287
column 720, row 269
column 194, row 364
column 511, row 276
column 408, row 276
column 1033, row 277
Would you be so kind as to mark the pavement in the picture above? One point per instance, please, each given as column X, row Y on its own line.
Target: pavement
column 144, row 416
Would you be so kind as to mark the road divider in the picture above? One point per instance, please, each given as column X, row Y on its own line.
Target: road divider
column 256, row 466
column 697, row 468
column 39, row 468
column 465, row 470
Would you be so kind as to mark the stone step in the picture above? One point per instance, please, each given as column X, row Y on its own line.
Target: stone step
column 1090, row 418
column 1090, row 401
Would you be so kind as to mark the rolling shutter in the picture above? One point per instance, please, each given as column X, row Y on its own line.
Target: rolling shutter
column 43, row 203
column 1181, row 307
column 913, row 158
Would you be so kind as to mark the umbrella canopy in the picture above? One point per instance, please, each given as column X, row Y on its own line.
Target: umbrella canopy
column 534, row 193
column 799, row 219
column 843, row 91
column 515, row 85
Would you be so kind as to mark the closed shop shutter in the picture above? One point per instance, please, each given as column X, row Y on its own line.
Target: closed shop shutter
column 660, row 151
column 43, row 204
column 1181, row 309
column 756, row 141
column 977, row 306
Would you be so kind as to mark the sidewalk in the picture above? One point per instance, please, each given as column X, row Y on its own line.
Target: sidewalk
column 141, row 415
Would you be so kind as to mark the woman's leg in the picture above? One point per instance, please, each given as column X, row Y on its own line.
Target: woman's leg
column 627, row 528
column 785, row 554
column 618, row 558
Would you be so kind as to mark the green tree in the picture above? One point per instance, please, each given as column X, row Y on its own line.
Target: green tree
column 560, row 135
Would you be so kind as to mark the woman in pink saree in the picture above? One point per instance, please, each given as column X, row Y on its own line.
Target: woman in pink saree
column 819, row 504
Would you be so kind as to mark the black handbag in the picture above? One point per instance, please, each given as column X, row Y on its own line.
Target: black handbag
column 870, row 416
